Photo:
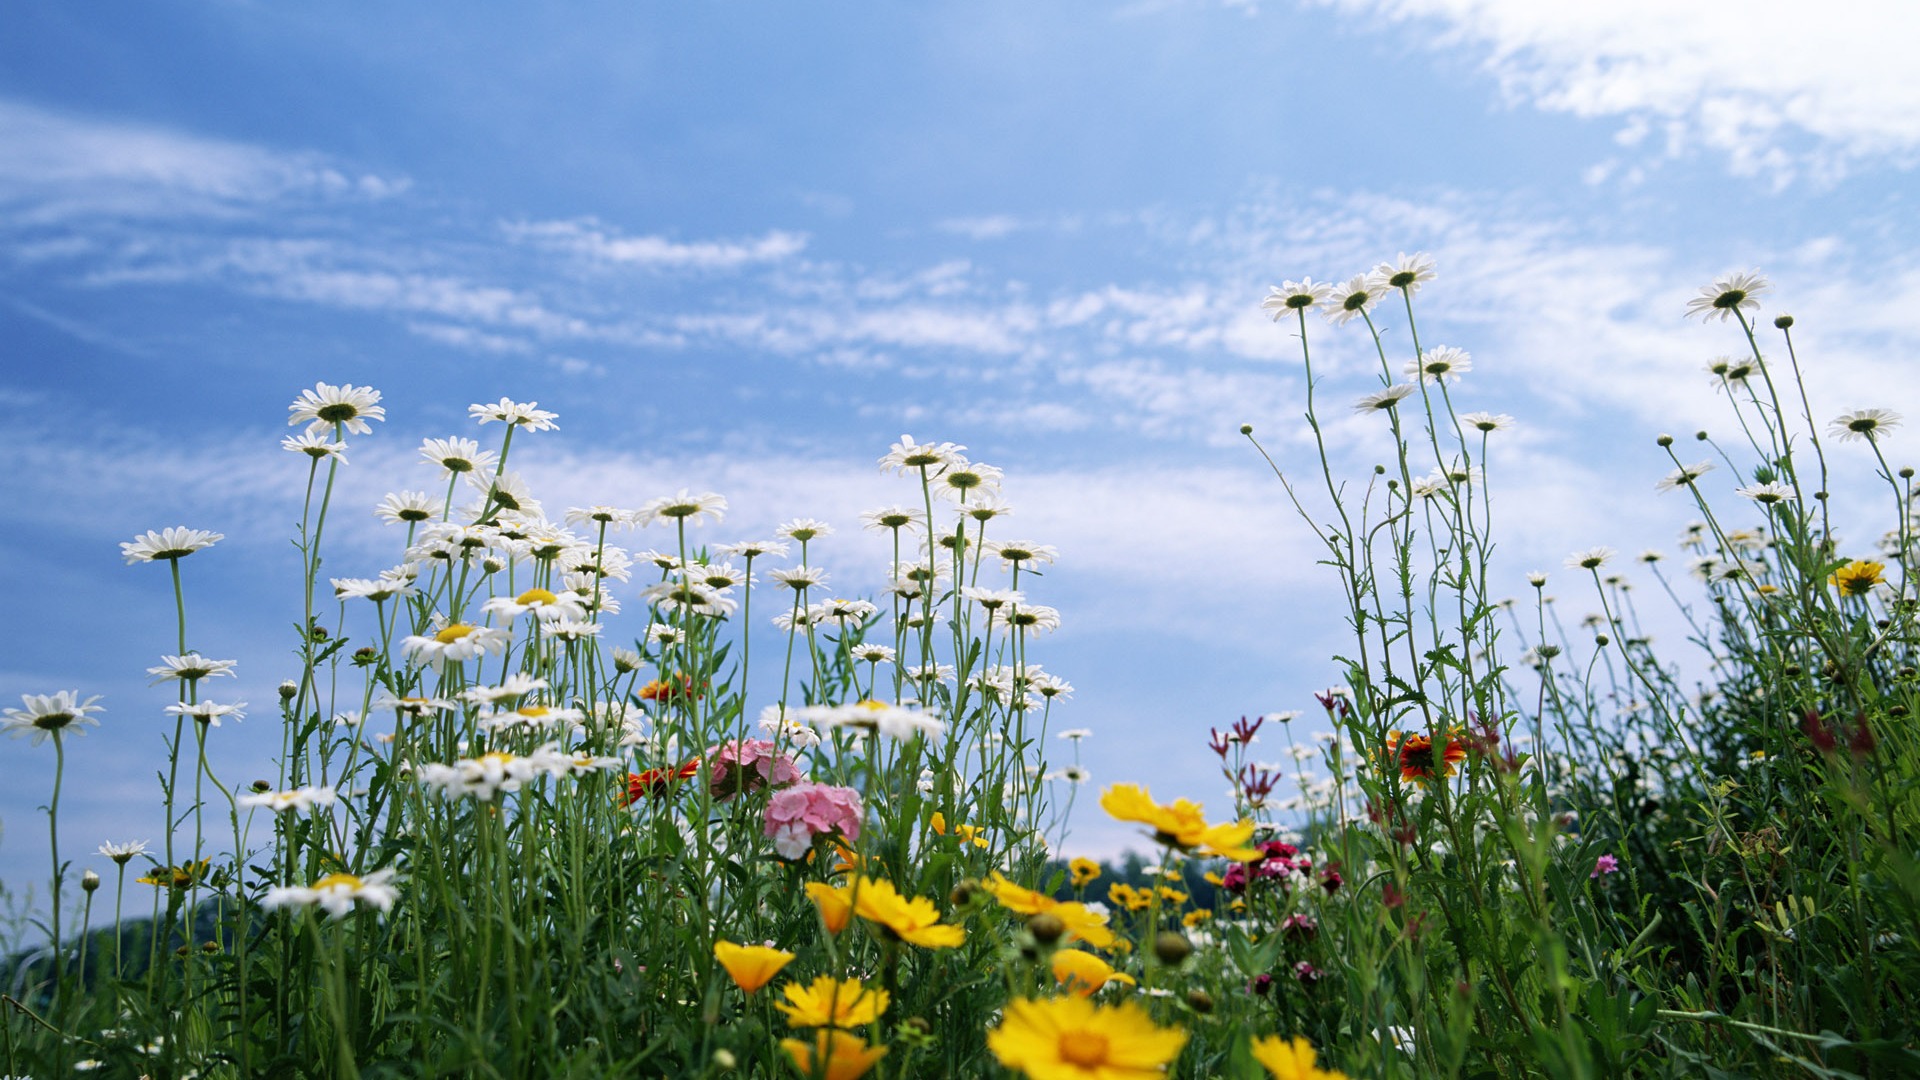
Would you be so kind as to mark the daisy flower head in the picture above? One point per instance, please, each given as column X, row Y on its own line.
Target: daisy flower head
column 1684, row 476
column 908, row 456
column 1727, row 370
column 1291, row 1059
column 1074, row 735
column 543, row 603
column 830, row 1003
column 1868, row 424
column 984, row 506
column 514, row 414
column 337, row 894
column 168, row 545
column 1048, row 686
column 1728, row 295
column 281, row 802
column 871, row 653
column 1406, row 273
column 1767, row 494
column 685, row 507
column 1381, row 400
column 1035, row 617
column 750, row 966
column 1858, row 578
column 802, row 530
column 1071, row 1037
column 507, row 490
column 123, row 853
column 189, row 668
column 1440, row 364
column 454, row 643
column 1486, row 421
column 379, row 589
column 1590, row 559
column 325, row 406
column 208, row 713
column 1354, row 299
column 410, row 507
column 50, row 714
column 835, row 1054
column 1179, row 824
column 456, row 455
column 1019, row 553
column 753, row 549
column 799, row 578
column 1419, row 762
column 315, row 445
column 1303, row 295
column 891, row 517
column 969, row 479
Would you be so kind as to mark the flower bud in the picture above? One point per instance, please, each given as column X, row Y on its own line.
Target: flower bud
column 1172, row 949
column 261, row 787
column 1046, row 928
column 1200, row 1001
column 724, row 1059
column 1782, row 322
column 288, row 689
column 89, row 881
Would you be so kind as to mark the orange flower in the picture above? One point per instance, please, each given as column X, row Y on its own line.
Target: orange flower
column 846, row 1056
column 750, row 966
column 912, row 919
column 1180, row 824
column 835, row 904
column 657, row 781
column 675, row 688
column 1416, row 759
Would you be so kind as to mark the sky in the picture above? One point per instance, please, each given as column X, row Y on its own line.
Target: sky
column 745, row 246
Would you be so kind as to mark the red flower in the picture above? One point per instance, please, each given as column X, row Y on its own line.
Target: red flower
column 1418, row 762
column 657, row 781
column 676, row 688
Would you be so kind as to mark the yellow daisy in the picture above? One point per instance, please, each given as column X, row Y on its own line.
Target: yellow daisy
column 846, row 1056
column 1292, row 1060
column 1071, row 1038
column 750, row 966
column 1081, row 921
column 1083, row 973
column 1180, row 824
column 828, row 1002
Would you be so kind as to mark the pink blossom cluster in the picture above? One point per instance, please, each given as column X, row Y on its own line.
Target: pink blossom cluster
column 1277, row 860
column 797, row 814
column 741, row 765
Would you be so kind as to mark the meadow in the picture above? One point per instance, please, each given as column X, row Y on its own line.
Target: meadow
column 527, row 822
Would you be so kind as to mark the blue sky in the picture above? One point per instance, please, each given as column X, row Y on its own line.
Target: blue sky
column 746, row 246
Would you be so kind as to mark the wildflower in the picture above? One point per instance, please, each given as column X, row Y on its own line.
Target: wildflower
column 411, row 507
column 1304, row 295
column 1414, row 754
column 456, row 455
column 507, row 490
column 1014, row 553
column 1126, row 896
column 684, row 507
column 1440, row 364
column 1352, row 300
column 545, row 605
column 1081, row 972
column 1083, row 871
column 1180, row 824
column 1080, row 920
column 315, row 446
column 1858, row 577
column 1728, row 295
column 798, row 814
column 743, row 765
column 208, row 712
column 836, row 1055
column 347, row 406
column 1290, row 1060
column 514, row 414
column 50, row 714
column 1486, row 421
column 656, row 781
column 486, row 776
column 1406, row 273
column 798, row 578
column 1035, row 617
column 1383, row 399
column 966, row 479
column 1070, row 1038
column 1684, row 476
column 891, row 517
column 829, row 1002
column 891, row 721
column 804, row 529
column 1072, row 774
column 908, row 455
column 1590, row 559
column 1605, row 864
column 912, row 919
column 753, row 549
column 337, row 893
column 1868, row 424
column 673, row 689
column 1047, row 686
column 1765, row 494
column 305, row 798
column 1074, row 735
column 121, row 853
column 750, row 966
column 454, row 643
column 176, row 877
column 168, row 545
column 378, row 590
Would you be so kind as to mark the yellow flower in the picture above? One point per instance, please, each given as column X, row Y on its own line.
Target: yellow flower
column 176, row 877
column 751, row 966
column 938, row 823
column 1180, row 824
column 1071, row 1038
column 831, row 1003
column 1172, row 896
column 969, row 834
column 1126, row 896
column 1195, row 917
column 1290, row 1060
column 914, row 919
column 1858, row 577
column 847, row 1056
column 1081, row 921
column 835, row 904
column 1082, row 972
column 1085, row 872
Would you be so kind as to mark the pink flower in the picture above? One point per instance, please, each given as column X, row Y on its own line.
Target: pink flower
column 1605, row 864
column 748, row 765
column 797, row 814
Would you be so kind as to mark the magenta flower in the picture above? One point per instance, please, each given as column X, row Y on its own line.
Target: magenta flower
column 743, row 765
column 1605, row 864
column 797, row 814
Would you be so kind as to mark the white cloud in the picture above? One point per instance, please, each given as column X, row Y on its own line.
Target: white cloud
column 1780, row 89
column 590, row 239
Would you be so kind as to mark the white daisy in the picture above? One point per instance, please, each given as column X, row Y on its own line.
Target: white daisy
column 515, row 686
column 1727, row 295
column 1442, row 363
column 1019, row 552
column 1590, row 559
column 514, row 414
column 908, row 456
column 1383, row 399
column 1304, row 295
column 753, row 549
column 802, row 530
column 800, row 577
column 507, row 490
column 50, row 714
column 1406, row 273
column 208, row 712
column 1486, row 421
column 337, row 894
column 596, row 517
column 454, row 643
column 543, row 603
column 456, row 455
column 280, row 802
column 1684, row 476
column 169, row 544
column 315, row 445
column 407, row 506
column 891, row 721
column 1767, row 494
column 123, row 853
column 378, row 590
column 684, row 507
column 1035, row 617
column 348, row 406
column 1048, row 686
column 891, row 517
column 870, row 653
column 963, row 482
column 1353, row 299
column 189, row 668
column 1867, row 424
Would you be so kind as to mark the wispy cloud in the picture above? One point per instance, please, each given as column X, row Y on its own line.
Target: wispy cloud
column 595, row 241
column 1781, row 92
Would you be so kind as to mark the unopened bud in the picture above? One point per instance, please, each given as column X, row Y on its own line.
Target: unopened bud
column 261, row 787
column 1664, row 440
column 1046, row 928
column 964, row 892
column 1172, row 949
column 1782, row 322
column 724, row 1059
column 89, row 881
column 288, row 689
column 1200, row 1001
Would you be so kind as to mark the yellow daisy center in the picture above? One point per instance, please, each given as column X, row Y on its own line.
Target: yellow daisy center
column 536, row 596
column 452, row 633
column 1087, row 1048
column 533, row 711
column 338, row 881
